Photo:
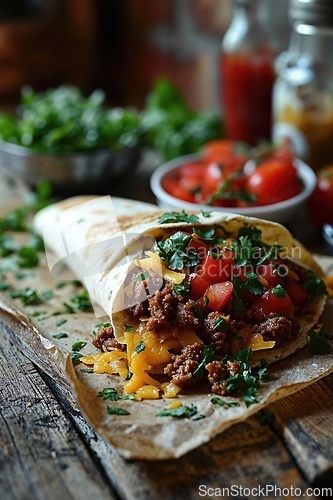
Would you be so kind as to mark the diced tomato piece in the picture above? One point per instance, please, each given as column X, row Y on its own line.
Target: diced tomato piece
column 296, row 292
column 218, row 150
column 270, row 303
column 219, row 295
column 198, row 286
column 215, row 270
column 172, row 187
column 267, row 271
column 199, row 246
column 228, row 255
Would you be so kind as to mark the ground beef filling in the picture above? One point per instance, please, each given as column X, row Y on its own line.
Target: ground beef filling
column 218, row 374
column 105, row 341
column 183, row 366
column 279, row 329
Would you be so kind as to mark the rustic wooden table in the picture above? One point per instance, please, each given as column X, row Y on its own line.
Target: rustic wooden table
column 48, row 451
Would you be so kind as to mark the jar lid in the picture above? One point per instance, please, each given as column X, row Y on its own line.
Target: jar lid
column 312, row 12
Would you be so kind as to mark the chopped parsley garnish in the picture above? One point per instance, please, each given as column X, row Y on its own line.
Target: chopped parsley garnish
column 27, row 257
column 206, row 213
column 4, row 286
column 178, row 217
column 139, row 347
column 111, row 394
column 77, row 346
column 61, row 335
column 247, row 382
column 253, row 284
column 205, row 301
column 141, row 276
column 28, row 296
column 87, row 370
column 208, row 356
column 183, row 288
column 174, row 251
column 81, row 301
column 314, row 285
column 180, row 412
column 279, row 291
column 75, row 357
column 61, row 284
column 225, row 404
column 220, row 324
column 47, row 294
column 60, row 322
column 207, row 235
column 317, row 343
column 128, row 328
column 112, row 410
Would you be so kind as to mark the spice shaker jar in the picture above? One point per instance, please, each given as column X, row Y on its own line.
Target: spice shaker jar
column 303, row 91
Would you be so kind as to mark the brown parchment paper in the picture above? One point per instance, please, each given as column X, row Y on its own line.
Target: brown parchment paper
column 142, row 435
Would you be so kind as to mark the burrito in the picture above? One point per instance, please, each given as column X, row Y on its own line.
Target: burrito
column 197, row 301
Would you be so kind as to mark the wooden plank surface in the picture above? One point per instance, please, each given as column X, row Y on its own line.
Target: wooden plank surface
column 41, row 456
column 305, row 422
column 247, row 455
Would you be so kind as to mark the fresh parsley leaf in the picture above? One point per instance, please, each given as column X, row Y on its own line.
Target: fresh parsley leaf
column 253, row 284
column 87, row 370
column 183, row 288
column 112, row 410
column 28, row 296
column 208, row 356
column 174, row 251
column 178, row 217
column 81, row 301
column 62, row 284
column 47, row 294
column 314, row 285
column 250, row 232
column 180, row 412
column 61, row 322
column 220, row 324
column 206, row 213
column 109, row 393
column 77, row 346
column 139, row 347
column 129, row 328
column 317, row 343
column 279, row 291
column 205, row 301
column 75, row 357
column 27, row 257
column 207, row 235
column 61, row 335
column 221, row 402
column 198, row 417
column 4, row 286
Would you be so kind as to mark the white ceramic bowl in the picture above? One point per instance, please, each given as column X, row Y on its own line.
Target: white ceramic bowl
column 279, row 212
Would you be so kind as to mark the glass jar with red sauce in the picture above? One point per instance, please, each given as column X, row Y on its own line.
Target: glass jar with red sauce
column 247, row 74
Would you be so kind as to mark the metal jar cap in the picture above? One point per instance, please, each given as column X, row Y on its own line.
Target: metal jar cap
column 312, row 12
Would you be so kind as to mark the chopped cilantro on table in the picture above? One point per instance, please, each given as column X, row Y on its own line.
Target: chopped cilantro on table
column 60, row 335
column 81, row 301
column 61, row 284
column 226, row 404
column 174, row 251
column 77, row 346
column 28, row 296
column 61, row 322
column 113, row 410
column 75, row 357
column 182, row 216
column 317, row 343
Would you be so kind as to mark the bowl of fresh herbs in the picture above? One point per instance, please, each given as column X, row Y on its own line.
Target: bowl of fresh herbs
column 71, row 140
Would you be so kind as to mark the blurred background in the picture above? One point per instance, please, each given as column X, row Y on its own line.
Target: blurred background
column 121, row 47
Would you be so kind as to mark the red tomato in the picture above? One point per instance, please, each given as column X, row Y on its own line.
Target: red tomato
column 219, row 295
column 173, row 187
column 266, row 271
column 218, row 150
column 193, row 170
column 296, row 292
column 228, row 255
column 198, row 286
column 273, row 181
column 215, row 270
column 212, row 177
column 199, row 246
column 241, row 273
column 269, row 303
column 320, row 204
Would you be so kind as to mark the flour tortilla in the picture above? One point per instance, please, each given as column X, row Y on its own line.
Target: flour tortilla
column 100, row 248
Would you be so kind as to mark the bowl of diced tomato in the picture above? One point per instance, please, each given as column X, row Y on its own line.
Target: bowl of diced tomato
column 226, row 176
